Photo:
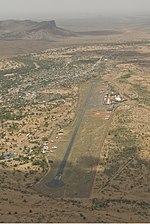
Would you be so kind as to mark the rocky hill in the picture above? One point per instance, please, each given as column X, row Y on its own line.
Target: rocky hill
column 31, row 30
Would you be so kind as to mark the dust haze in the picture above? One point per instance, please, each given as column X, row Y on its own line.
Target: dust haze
column 47, row 9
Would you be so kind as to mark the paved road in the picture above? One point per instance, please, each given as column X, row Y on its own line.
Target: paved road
column 57, row 180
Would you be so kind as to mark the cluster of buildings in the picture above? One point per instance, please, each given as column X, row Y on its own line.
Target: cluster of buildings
column 112, row 98
column 35, row 100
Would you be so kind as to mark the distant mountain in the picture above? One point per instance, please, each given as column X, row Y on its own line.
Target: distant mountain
column 31, row 30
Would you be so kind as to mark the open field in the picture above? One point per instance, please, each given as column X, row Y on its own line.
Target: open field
column 81, row 165
column 106, row 177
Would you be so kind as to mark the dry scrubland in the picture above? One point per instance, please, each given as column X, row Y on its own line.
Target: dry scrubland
column 41, row 98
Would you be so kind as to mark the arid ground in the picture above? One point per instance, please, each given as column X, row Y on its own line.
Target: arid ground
column 51, row 95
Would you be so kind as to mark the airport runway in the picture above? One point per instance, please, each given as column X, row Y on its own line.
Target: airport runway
column 57, row 180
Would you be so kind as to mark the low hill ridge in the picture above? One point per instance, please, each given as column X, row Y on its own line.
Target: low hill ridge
column 28, row 29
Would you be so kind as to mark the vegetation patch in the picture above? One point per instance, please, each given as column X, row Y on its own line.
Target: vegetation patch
column 143, row 94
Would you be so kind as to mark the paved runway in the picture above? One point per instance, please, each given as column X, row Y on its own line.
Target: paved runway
column 57, row 180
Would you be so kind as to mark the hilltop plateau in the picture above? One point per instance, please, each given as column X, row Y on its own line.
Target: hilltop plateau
column 31, row 30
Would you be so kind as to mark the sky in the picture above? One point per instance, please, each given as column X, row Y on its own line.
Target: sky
column 52, row 9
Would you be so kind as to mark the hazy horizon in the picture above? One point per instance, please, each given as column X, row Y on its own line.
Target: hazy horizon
column 61, row 9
